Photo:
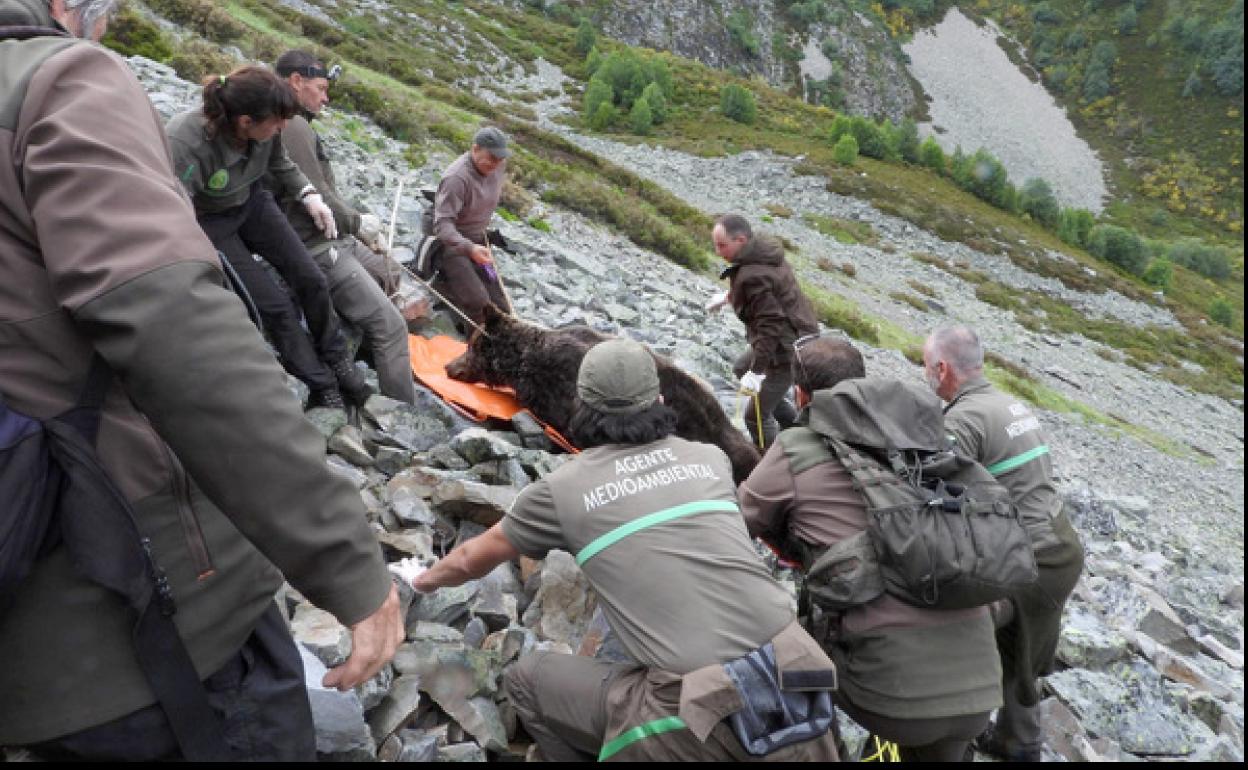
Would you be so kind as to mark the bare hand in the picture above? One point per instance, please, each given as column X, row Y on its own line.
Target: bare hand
column 374, row 640
column 481, row 255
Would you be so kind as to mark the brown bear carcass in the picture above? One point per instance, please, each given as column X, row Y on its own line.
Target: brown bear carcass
column 541, row 366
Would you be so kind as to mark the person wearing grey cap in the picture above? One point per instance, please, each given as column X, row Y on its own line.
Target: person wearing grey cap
column 652, row 520
column 467, row 195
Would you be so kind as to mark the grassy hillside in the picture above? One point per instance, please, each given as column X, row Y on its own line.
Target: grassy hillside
column 403, row 67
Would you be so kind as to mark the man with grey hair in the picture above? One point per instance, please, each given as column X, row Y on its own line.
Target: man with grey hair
column 1002, row 433
column 112, row 289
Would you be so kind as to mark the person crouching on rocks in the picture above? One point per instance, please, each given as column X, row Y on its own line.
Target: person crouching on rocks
column 724, row 671
column 221, row 152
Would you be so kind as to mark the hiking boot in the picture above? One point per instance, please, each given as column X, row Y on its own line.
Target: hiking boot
column 351, row 382
column 328, row 398
column 993, row 744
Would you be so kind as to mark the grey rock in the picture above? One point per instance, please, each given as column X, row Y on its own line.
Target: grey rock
column 460, row 752
column 348, row 471
column 511, row 643
column 509, row 473
column 480, row 718
column 348, row 443
column 494, row 608
column 409, row 746
column 564, row 605
column 470, row 672
column 338, row 717
column 475, row 633
column 532, row 435
column 391, row 461
column 1178, row 668
column 419, row 482
column 1220, row 749
column 447, row 605
column 409, row 508
column 322, row 634
column 417, row 542
column 477, row 445
column 327, row 421
column 421, row 631
column 1234, row 596
column 413, row 428
column 448, row 458
column 1087, row 642
column 1129, row 705
column 399, row 704
column 476, row 502
column 374, row 691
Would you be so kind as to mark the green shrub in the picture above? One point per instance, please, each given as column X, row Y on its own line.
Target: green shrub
column 1221, row 312
column 985, row 177
column 640, row 118
column 203, row 16
column 653, row 95
column 625, row 72
column 907, row 139
column 740, row 26
column 1095, row 82
column 931, row 155
column 603, row 117
column 131, row 35
column 841, row 126
column 1160, row 273
column 846, row 150
column 597, row 93
column 738, row 104
column 1209, row 261
column 1074, row 226
column 1128, row 20
column 586, row 37
column 194, row 60
column 870, row 138
column 1118, row 246
column 593, row 60
column 1037, row 200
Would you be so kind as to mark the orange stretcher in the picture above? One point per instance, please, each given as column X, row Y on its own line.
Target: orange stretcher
column 476, row 401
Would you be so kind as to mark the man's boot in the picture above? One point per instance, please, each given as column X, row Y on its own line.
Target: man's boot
column 328, row 398
column 351, row 382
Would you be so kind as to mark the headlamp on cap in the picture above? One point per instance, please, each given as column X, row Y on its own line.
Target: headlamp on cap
column 312, row 71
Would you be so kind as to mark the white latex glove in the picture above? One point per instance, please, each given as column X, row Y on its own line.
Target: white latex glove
column 321, row 215
column 752, row 382
column 717, row 301
column 407, row 569
column 370, row 230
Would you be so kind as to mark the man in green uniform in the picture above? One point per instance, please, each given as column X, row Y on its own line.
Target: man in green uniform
column 653, row 521
column 1004, row 435
column 358, row 278
column 924, row 679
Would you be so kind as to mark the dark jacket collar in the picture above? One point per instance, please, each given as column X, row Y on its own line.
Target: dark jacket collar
column 760, row 250
column 976, row 383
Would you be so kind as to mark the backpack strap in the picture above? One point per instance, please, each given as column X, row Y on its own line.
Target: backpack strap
column 106, row 547
column 16, row 32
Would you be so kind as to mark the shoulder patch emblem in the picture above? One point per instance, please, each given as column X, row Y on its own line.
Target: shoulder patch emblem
column 219, row 180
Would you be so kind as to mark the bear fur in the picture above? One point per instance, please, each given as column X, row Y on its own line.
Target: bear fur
column 541, row 366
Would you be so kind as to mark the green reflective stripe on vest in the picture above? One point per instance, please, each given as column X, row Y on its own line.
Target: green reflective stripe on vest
column 1010, row 464
column 649, row 520
column 629, row 737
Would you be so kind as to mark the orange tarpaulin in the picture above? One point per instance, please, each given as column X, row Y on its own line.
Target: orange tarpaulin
column 476, row 401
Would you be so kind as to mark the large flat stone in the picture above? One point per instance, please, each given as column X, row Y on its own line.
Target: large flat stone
column 446, row 605
column 321, row 634
column 475, row 672
column 564, row 605
column 398, row 705
column 479, row 503
column 338, row 717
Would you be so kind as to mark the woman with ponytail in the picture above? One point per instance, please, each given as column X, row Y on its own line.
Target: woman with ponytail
column 221, row 152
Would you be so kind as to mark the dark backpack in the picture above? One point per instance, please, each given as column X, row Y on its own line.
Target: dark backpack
column 56, row 493
column 941, row 532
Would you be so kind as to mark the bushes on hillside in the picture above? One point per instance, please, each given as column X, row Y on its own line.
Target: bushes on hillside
column 1221, row 312
column 738, row 104
column 1119, row 246
column 1074, row 226
column 1209, row 261
column 1036, row 199
column 586, row 37
column 619, row 83
column 931, row 155
column 1160, row 273
column 845, row 151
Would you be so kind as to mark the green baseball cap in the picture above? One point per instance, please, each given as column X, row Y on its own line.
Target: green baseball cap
column 618, row 377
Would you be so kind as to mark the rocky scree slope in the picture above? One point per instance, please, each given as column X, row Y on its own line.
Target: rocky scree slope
column 1153, row 641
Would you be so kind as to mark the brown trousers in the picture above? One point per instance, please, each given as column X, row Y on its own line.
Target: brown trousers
column 468, row 286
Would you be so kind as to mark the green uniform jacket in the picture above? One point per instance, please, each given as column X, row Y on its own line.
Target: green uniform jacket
column 894, row 659
column 218, row 175
column 100, row 251
column 304, row 147
column 767, row 299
